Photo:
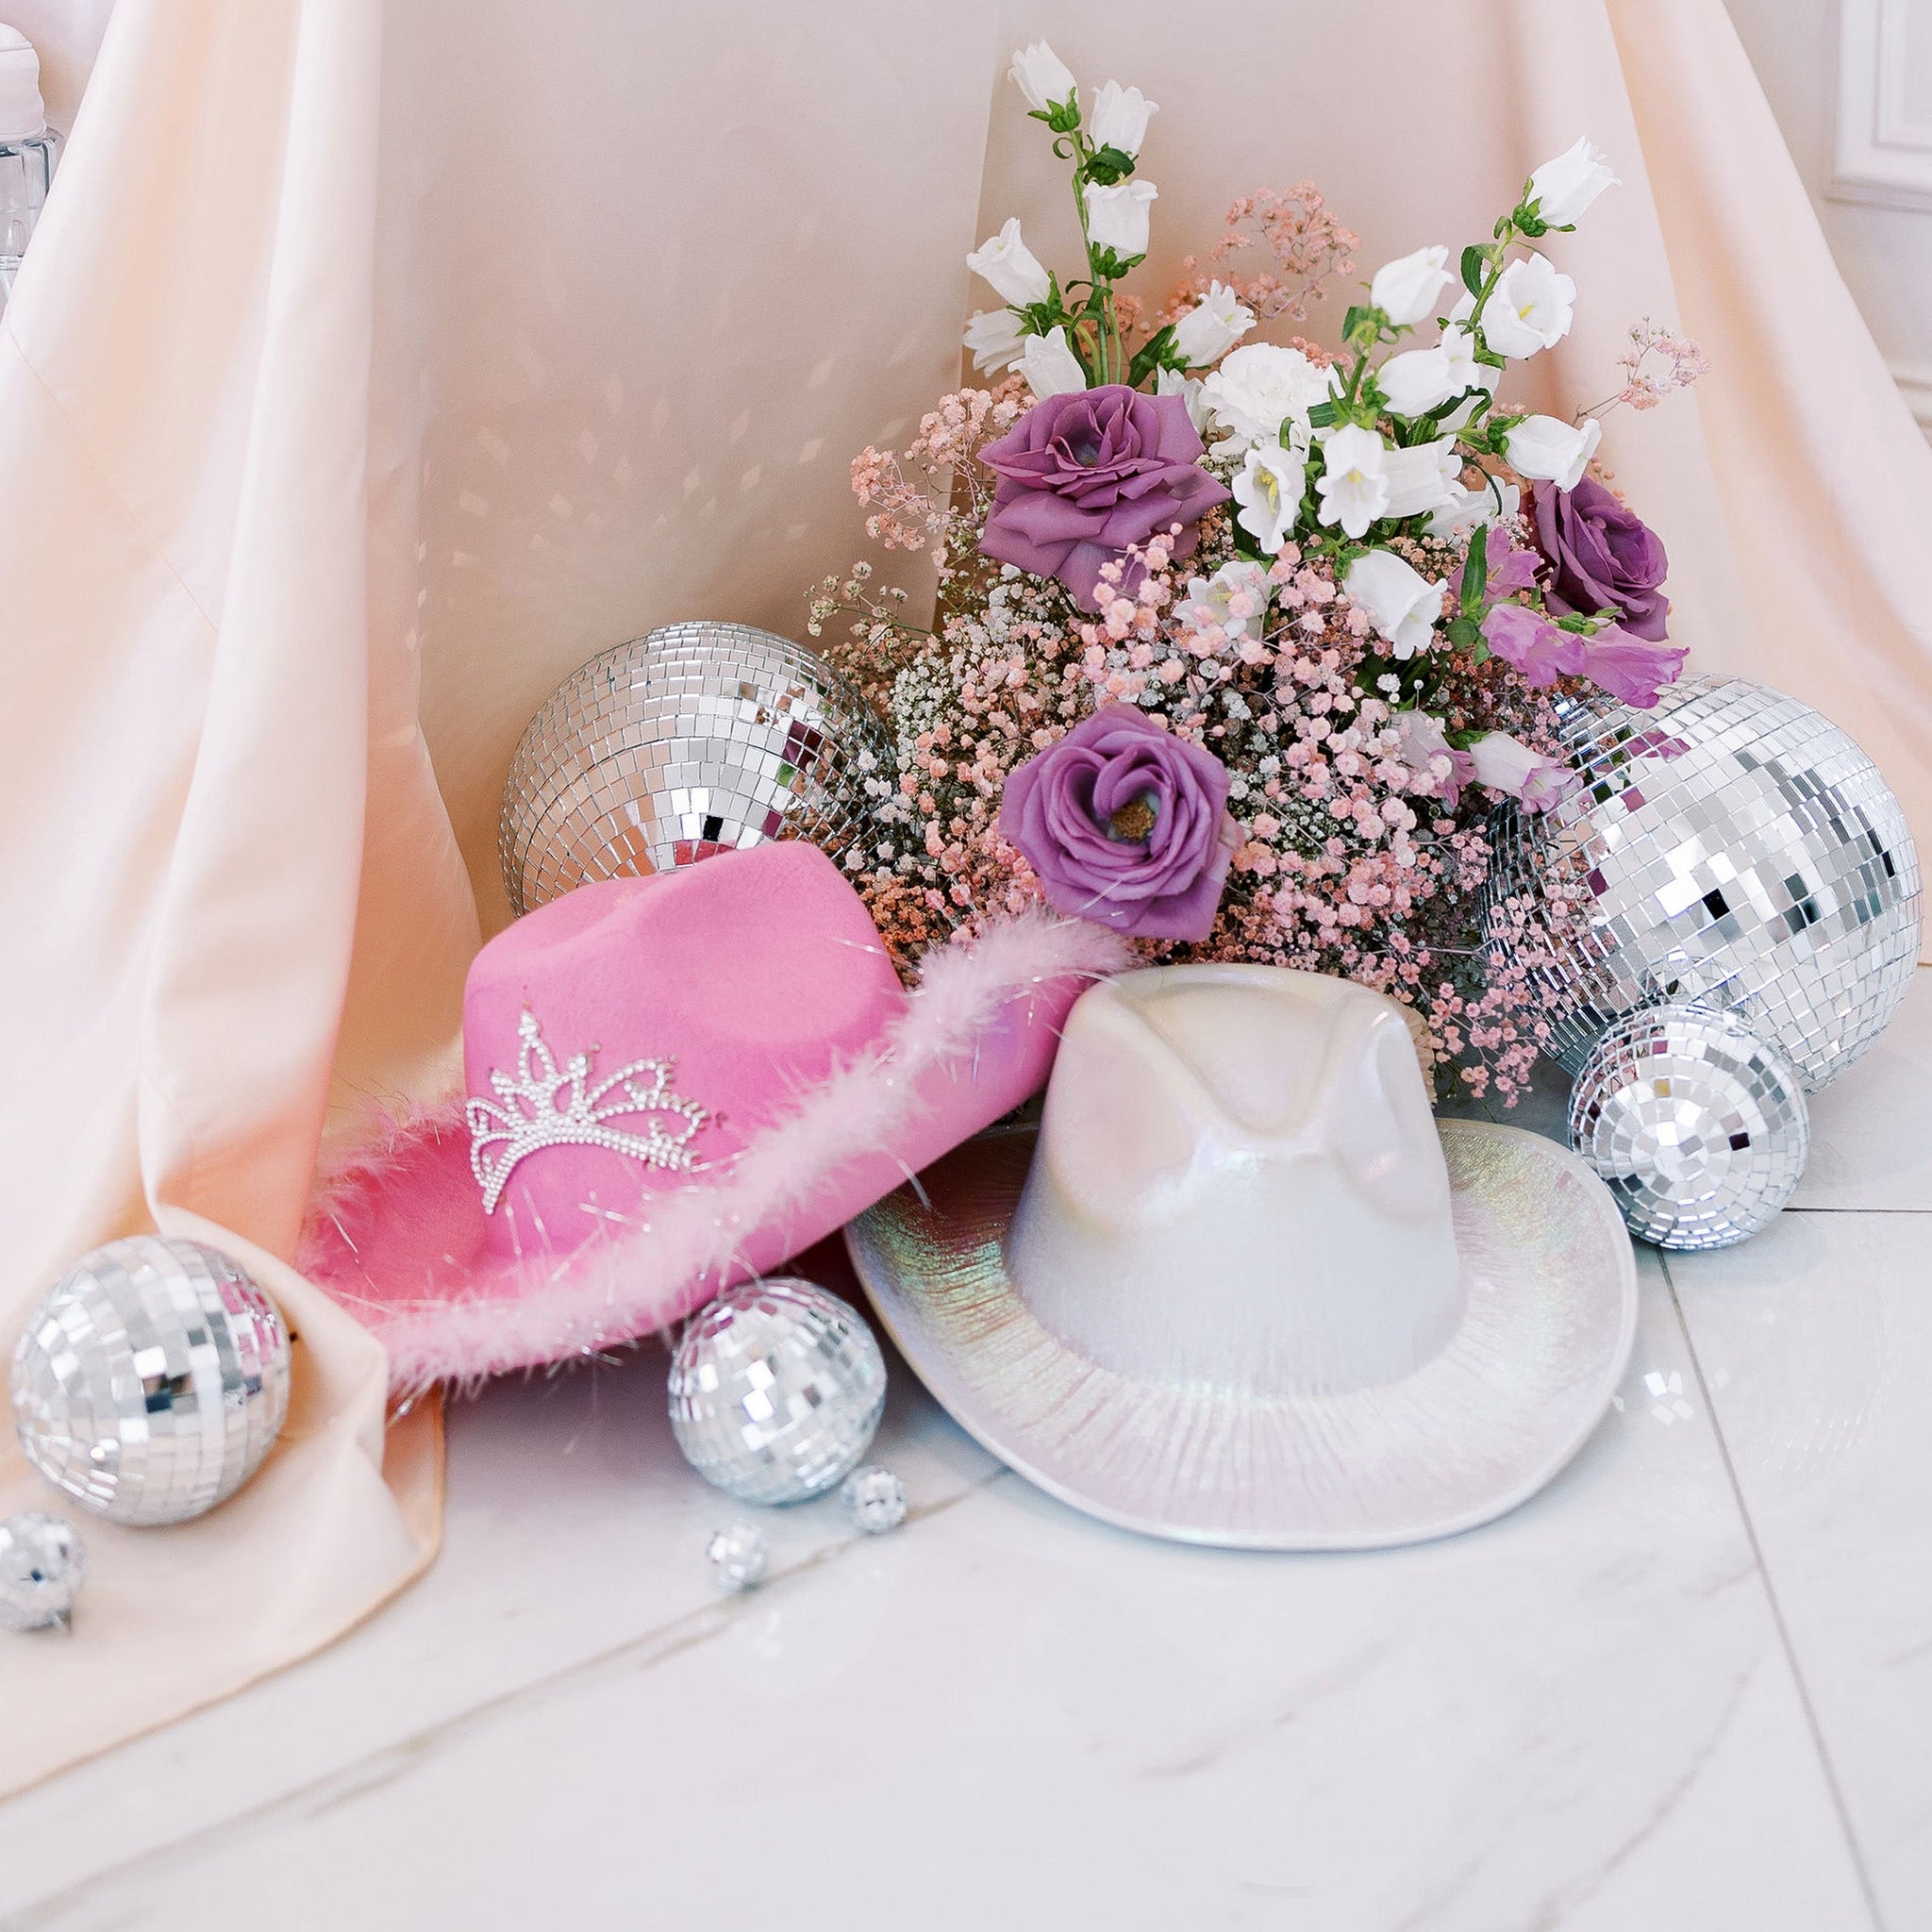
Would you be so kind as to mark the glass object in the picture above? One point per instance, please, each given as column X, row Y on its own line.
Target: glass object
column 27, row 150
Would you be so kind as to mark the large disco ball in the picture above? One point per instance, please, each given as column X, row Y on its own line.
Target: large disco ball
column 1732, row 848
column 152, row 1381
column 698, row 739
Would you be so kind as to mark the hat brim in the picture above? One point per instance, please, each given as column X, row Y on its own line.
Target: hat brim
column 1549, row 1315
column 396, row 1232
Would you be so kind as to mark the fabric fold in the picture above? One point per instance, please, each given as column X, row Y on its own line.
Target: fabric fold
column 375, row 365
column 184, row 421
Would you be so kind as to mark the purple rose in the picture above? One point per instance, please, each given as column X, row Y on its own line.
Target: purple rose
column 1126, row 824
column 1603, row 557
column 1083, row 475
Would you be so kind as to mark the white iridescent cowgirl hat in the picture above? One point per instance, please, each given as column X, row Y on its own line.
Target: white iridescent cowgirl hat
column 1239, row 1288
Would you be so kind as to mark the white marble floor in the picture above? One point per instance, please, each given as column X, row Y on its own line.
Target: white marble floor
column 1688, row 1688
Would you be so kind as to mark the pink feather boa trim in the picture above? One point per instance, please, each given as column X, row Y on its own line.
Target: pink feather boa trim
column 551, row 1306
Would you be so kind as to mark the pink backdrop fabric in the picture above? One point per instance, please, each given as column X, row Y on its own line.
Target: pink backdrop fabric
column 375, row 365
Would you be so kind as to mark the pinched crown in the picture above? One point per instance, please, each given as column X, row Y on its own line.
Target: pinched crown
column 542, row 1107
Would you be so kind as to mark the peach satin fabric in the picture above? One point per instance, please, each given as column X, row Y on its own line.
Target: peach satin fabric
column 219, row 825
column 374, row 365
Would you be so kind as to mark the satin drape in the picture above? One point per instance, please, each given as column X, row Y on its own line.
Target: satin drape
column 375, row 364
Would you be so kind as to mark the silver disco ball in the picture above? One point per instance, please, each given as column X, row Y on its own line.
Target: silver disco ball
column 1732, row 848
column 1698, row 1128
column 152, row 1381
column 700, row 738
column 43, row 1567
column 776, row 1391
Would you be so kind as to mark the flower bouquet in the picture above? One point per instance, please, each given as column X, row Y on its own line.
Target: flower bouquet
column 1239, row 642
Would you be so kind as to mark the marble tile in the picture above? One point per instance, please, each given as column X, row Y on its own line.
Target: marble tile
column 1816, row 1343
column 1581, row 1717
column 573, row 1527
column 1871, row 1129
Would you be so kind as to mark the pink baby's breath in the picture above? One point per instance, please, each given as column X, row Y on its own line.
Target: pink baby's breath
column 1308, row 247
column 1351, row 859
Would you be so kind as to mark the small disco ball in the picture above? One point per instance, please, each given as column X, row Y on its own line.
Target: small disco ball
column 700, row 738
column 776, row 1391
column 875, row 1500
column 1699, row 1129
column 1733, row 848
column 738, row 1556
column 43, row 1566
column 152, row 1381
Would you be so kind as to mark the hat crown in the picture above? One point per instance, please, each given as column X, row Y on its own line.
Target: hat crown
column 1238, row 1181
column 635, row 1035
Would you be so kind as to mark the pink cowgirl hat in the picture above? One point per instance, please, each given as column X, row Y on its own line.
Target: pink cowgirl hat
column 672, row 1083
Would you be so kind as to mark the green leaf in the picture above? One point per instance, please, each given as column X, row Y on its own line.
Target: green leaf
column 1473, row 262
column 1111, row 164
column 1154, row 354
column 1043, row 317
column 1475, row 572
column 1325, row 414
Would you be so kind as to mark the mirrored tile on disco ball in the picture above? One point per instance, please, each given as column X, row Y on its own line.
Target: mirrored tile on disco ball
column 1697, row 1126
column 699, row 738
column 1731, row 847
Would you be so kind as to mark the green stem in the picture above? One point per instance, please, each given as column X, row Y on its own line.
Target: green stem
column 1095, row 295
column 1110, row 353
column 1498, row 262
column 1356, row 374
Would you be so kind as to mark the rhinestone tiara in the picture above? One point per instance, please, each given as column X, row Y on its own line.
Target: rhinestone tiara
column 544, row 1108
